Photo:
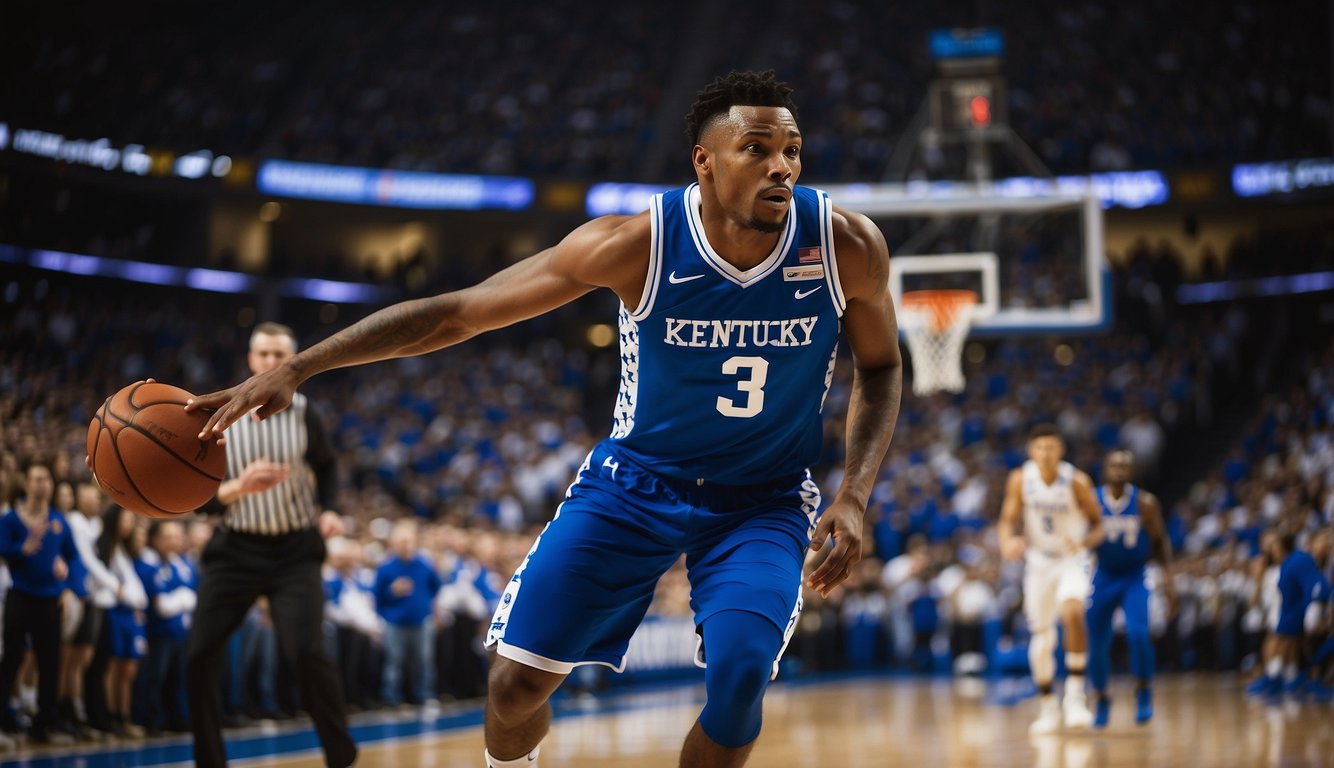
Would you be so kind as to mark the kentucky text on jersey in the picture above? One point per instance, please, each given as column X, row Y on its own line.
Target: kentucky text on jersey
column 724, row 370
column 1049, row 508
column 740, row 333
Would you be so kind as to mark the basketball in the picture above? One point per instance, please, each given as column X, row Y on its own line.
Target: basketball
column 145, row 453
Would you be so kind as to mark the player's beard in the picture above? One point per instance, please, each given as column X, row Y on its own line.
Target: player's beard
column 768, row 227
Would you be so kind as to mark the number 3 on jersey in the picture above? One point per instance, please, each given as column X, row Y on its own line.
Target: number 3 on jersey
column 752, row 385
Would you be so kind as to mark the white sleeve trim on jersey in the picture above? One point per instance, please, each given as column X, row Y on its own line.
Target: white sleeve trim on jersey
column 654, row 276
column 827, row 252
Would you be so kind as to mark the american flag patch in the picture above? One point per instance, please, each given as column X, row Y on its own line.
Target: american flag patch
column 809, row 255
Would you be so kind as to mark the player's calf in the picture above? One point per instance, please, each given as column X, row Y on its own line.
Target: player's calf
column 517, row 713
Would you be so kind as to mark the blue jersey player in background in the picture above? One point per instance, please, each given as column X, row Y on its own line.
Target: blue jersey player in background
column 734, row 292
column 1135, row 534
column 1300, row 583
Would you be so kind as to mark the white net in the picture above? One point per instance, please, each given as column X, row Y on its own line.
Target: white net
column 935, row 325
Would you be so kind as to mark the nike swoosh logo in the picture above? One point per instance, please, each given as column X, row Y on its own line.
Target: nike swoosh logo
column 803, row 294
column 673, row 279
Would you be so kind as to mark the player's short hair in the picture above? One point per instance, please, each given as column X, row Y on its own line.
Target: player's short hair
column 1287, row 538
column 747, row 89
column 269, row 328
column 1044, row 430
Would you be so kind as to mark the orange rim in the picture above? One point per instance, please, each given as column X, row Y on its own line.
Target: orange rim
column 942, row 307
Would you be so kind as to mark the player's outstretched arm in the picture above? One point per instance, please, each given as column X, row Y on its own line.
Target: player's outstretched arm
column 601, row 253
column 877, row 383
column 1007, row 529
column 1088, row 504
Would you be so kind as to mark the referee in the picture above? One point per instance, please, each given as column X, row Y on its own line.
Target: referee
column 281, row 474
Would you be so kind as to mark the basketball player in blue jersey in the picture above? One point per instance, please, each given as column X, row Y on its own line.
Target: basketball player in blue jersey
column 1132, row 520
column 1299, row 583
column 734, row 292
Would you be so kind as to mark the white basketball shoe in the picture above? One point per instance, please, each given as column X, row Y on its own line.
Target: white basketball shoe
column 1077, row 714
column 1049, row 716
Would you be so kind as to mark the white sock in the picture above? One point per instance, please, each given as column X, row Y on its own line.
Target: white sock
column 1274, row 668
column 28, row 695
column 1074, row 685
column 528, row 761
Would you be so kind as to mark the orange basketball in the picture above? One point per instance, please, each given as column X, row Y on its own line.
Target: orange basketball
column 146, row 455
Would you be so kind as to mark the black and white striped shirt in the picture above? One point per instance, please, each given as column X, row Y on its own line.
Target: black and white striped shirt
column 295, row 437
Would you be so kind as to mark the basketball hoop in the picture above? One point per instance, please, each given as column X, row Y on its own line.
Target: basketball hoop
column 935, row 324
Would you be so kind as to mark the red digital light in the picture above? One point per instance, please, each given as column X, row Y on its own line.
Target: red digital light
column 979, row 110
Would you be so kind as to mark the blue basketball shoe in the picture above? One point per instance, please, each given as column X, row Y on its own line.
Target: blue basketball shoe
column 1102, row 714
column 1143, row 706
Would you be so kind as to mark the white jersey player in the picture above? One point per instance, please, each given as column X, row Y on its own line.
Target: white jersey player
column 1061, row 524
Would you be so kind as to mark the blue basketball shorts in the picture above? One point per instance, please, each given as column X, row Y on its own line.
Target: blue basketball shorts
column 590, row 577
column 1118, row 590
column 125, row 633
column 1292, row 617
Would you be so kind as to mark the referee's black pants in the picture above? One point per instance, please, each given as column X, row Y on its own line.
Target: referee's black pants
column 237, row 569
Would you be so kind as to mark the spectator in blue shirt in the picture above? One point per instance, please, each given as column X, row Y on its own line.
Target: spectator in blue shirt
column 171, row 585
column 405, row 588
column 35, row 542
column 350, row 607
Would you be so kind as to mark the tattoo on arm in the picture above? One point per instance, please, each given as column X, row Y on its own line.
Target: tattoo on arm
column 872, row 415
column 407, row 328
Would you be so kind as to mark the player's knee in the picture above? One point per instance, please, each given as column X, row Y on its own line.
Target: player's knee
column 732, row 715
column 739, row 668
column 515, row 691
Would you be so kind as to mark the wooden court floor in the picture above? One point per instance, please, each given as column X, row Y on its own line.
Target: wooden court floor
column 1200, row 722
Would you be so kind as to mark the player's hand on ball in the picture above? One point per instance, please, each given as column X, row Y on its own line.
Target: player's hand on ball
column 841, row 527
column 1012, row 548
column 265, row 393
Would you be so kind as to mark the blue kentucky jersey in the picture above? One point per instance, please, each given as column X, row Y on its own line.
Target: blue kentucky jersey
column 1125, row 548
column 724, row 371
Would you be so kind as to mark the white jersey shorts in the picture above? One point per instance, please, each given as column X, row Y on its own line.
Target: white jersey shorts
column 1049, row 581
